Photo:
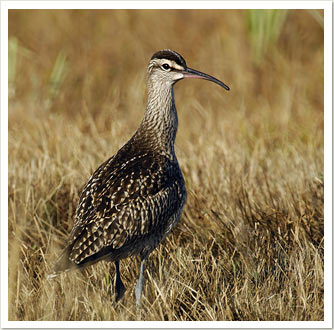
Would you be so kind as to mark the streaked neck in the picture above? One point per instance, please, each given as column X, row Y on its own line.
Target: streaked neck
column 160, row 119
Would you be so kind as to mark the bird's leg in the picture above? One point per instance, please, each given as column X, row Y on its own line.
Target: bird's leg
column 139, row 285
column 120, row 288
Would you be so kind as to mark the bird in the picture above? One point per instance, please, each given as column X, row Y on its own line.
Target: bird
column 135, row 198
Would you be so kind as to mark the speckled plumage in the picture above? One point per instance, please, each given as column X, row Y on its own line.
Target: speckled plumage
column 135, row 198
column 130, row 203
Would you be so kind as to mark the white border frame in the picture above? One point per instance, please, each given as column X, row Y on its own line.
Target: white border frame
column 325, row 5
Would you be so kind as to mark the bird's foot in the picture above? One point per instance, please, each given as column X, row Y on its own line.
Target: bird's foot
column 120, row 289
column 139, row 285
column 139, row 288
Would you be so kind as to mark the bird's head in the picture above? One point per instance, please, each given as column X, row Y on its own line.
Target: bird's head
column 167, row 67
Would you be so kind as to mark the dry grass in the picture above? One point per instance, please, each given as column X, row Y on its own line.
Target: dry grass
column 249, row 245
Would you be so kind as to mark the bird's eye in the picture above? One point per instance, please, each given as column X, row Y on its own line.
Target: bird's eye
column 166, row 67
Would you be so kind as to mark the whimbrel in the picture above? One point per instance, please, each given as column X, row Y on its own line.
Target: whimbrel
column 135, row 198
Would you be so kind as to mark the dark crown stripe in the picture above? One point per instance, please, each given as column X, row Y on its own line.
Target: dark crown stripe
column 170, row 55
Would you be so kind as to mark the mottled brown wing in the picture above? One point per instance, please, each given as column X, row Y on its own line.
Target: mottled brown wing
column 123, row 201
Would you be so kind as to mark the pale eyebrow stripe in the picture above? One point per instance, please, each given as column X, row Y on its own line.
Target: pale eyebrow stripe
column 177, row 66
column 171, row 63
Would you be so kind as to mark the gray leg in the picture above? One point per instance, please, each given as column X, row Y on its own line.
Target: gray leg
column 120, row 288
column 139, row 286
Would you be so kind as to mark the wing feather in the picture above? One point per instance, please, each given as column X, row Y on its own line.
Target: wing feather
column 123, row 202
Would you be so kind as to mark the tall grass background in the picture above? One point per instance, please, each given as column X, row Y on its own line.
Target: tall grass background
column 249, row 245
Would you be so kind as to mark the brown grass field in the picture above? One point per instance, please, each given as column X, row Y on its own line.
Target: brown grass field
column 249, row 245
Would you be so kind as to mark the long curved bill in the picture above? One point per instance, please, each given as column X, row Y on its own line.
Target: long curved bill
column 191, row 73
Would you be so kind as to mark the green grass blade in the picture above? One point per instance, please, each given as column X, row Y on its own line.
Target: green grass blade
column 265, row 26
column 316, row 14
column 57, row 76
column 12, row 65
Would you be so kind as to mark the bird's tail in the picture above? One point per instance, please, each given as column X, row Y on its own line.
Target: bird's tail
column 63, row 264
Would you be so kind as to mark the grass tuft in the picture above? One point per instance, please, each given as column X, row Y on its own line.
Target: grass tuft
column 57, row 76
column 265, row 26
